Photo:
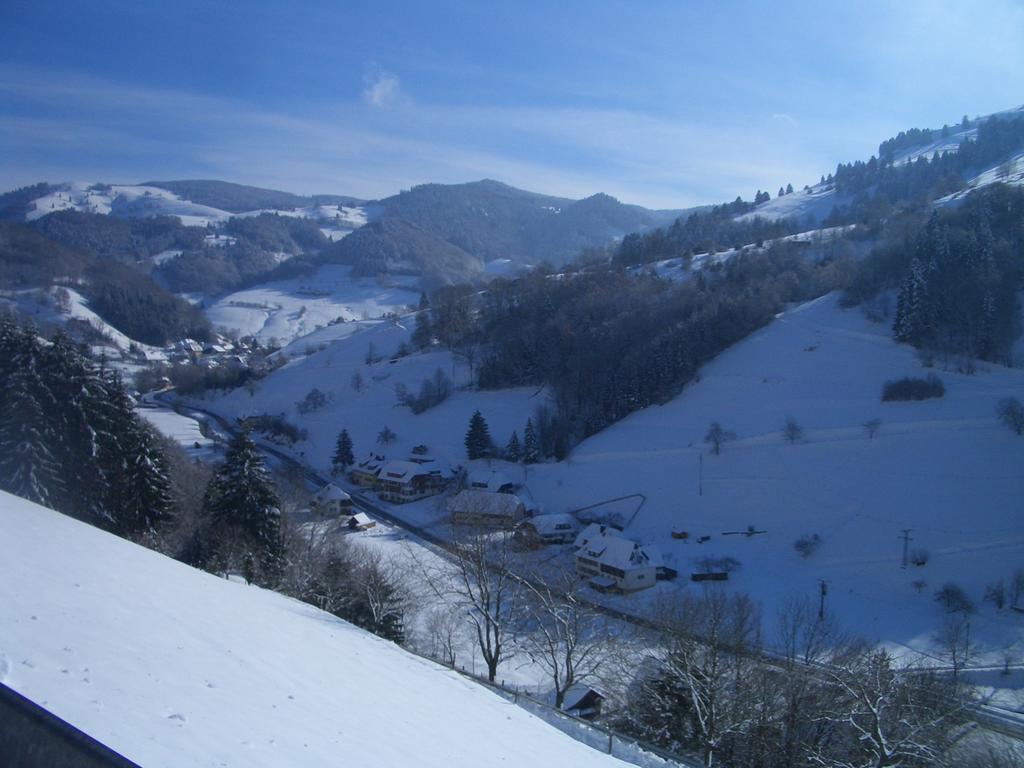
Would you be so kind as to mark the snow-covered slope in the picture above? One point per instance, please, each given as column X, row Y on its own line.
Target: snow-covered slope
column 137, row 201
column 364, row 412
column 173, row 667
column 945, row 468
column 287, row 309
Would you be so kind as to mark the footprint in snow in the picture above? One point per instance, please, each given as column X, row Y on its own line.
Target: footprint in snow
column 177, row 716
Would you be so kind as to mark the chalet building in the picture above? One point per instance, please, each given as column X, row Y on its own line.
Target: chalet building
column 360, row 521
column 489, row 480
column 584, row 702
column 403, row 481
column 497, row 510
column 365, row 472
column 547, row 529
column 612, row 563
column 331, row 501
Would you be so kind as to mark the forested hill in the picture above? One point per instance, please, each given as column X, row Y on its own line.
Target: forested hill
column 240, row 198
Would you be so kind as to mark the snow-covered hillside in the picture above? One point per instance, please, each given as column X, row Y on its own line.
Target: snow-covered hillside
column 944, row 468
column 816, row 203
column 287, row 309
column 172, row 666
column 137, row 201
column 364, row 412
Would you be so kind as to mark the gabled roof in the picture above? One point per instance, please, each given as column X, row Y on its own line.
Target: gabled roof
column 371, row 463
column 331, row 492
column 478, row 502
column 490, row 479
column 361, row 518
column 402, row 471
column 548, row 524
column 603, row 545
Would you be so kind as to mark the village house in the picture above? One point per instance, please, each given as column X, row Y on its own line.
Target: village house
column 365, row 472
column 612, row 563
column 474, row 507
column 403, row 481
column 331, row 501
column 489, row 480
column 547, row 529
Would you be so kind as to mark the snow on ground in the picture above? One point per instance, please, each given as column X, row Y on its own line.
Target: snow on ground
column 812, row 206
column 28, row 304
column 172, row 666
column 287, row 309
column 365, row 412
column 944, row 468
column 124, row 200
column 183, row 430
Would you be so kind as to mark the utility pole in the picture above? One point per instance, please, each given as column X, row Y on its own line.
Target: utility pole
column 700, row 473
column 823, row 590
column 906, row 545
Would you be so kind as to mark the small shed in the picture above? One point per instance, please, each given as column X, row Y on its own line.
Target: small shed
column 360, row 521
column 583, row 702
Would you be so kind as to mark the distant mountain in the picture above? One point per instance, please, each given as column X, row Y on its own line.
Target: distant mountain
column 489, row 220
column 391, row 245
column 239, row 198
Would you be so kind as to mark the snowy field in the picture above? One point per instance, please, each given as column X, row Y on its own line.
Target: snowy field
column 287, row 309
column 944, row 468
column 182, row 430
column 172, row 666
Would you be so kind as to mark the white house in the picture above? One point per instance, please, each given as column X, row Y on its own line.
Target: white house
column 331, row 500
column 611, row 562
column 472, row 507
column 547, row 529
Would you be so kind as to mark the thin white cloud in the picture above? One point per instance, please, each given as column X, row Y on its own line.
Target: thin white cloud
column 380, row 88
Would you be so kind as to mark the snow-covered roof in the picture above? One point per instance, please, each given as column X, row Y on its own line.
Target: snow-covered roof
column 402, row 471
column 361, row 518
column 550, row 524
column 331, row 492
column 490, row 479
column 371, row 463
column 484, row 503
column 588, row 534
column 604, row 546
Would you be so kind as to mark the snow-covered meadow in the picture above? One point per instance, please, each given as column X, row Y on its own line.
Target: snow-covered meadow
column 172, row 666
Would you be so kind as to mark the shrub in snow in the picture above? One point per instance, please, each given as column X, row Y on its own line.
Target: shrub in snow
column 919, row 557
column 807, row 544
column 913, row 388
column 718, row 564
column 792, row 431
column 1011, row 413
column 954, row 599
column 313, row 401
column 996, row 594
column 872, row 426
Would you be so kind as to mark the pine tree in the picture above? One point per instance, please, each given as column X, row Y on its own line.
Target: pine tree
column 343, row 456
column 513, row 451
column 243, row 508
column 423, row 332
column 531, row 448
column 27, row 466
column 478, row 437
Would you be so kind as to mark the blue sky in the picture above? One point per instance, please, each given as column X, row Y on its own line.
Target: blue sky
column 666, row 104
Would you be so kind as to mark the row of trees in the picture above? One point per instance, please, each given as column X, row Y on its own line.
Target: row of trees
column 70, row 439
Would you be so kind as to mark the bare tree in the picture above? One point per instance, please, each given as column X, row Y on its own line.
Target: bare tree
column 707, row 647
column 871, row 427
column 386, row 436
column 954, row 638
column 717, row 435
column 563, row 636
column 482, row 584
column 886, row 716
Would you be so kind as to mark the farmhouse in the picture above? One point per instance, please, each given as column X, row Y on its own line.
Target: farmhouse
column 331, row 501
column 365, row 472
column 489, row 480
column 611, row 562
column 547, row 529
column 402, row 481
column 471, row 507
